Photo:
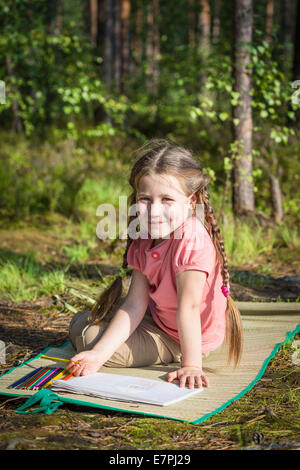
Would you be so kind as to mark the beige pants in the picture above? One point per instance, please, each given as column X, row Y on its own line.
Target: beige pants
column 147, row 345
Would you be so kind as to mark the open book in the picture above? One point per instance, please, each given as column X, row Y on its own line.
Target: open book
column 125, row 388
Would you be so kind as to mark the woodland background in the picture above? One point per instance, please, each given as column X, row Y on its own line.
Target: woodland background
column 86, row 84
column 89, row 81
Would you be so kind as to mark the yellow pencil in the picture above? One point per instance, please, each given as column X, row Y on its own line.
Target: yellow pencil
column 58, row 359
column 56, row 377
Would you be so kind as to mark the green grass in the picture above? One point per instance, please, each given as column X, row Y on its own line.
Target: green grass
column 77, row 253
column 23, row 277
column 244, row 244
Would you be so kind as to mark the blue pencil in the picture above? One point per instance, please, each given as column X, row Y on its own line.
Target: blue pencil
column 28, row 381
column 19, row 381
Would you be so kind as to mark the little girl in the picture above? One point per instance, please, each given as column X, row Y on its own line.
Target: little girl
column 178, row 307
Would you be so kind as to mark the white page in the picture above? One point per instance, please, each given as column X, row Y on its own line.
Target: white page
column 125, row 388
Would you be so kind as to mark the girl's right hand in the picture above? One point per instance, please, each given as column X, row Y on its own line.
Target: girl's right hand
column 90, row 363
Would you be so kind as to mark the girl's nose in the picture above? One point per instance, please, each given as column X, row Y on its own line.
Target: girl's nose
column 155, row 210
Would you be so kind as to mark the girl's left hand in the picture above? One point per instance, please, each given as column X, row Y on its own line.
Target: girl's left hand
column 191, row 375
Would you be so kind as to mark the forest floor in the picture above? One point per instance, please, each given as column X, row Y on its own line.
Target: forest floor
column 264, row 418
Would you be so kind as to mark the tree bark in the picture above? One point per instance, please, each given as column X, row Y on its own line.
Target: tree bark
column 93, row 22
column 149, row 48
column 286, row 12
column 276, row 199
column 17, row 125
column 192, row 25
column 101, row 26
column 296, row 58
column 152, row 47
column 138, row 44
column 243, row 193
column 108, row 50
column 203, row 41
column 117, row 46
column 50, row 18
column 216, row 22
column 204, row 28
column 156, row 46
column 269, row 20
column 125, row 40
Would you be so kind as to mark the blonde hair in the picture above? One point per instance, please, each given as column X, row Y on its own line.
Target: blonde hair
column 161, row 156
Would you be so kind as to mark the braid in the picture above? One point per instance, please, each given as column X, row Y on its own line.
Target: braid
column 234, row 329
column 216, row 236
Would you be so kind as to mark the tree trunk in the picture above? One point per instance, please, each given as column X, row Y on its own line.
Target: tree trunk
column 137, row 49
column 203, row 41
column 216, row 22
column 192, row 25
column 58, row 21
column 17, row 125
column 101, row 26
column 269, row 20
column 286, row 12
column 152, row 47
column 149, row 48
column 204, row 28
column 243, row 193
column 125, row 41
column 296, row 59
column 156, row 46
column 118, row 46
column 137, row 43
column 108, row 52
column 50, row 16
column 276, row 199
column 93, row 22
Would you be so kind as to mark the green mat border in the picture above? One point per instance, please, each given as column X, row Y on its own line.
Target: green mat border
column 289, row 336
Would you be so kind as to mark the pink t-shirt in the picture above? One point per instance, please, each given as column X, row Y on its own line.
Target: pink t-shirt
column 188, row 247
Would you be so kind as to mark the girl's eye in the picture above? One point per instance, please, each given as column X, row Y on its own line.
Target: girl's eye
column 166, row 198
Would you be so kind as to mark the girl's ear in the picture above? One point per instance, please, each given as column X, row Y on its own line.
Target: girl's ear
column 193, row 201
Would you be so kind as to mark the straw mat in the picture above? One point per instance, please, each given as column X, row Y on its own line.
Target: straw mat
column 264, row 332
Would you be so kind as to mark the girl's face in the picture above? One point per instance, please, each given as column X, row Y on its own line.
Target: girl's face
column 162, row 205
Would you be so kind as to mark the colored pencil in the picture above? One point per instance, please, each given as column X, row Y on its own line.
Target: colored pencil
column 27, row 380
column 52, row 377
column 19, row 381
column 37, row 377
column 68, row 376
column 46, row 377
column 42, row 376
column 56, row 377
column 60, row 359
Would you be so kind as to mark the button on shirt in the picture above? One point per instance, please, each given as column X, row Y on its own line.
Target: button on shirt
column 155, row 255
column 188, row 247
